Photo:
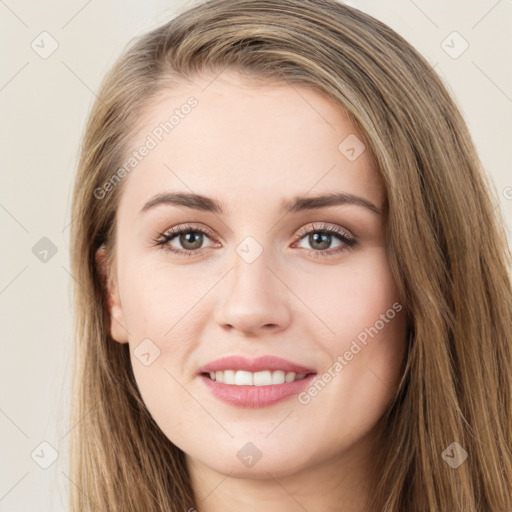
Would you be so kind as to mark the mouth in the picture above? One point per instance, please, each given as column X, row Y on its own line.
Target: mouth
column 255, row 383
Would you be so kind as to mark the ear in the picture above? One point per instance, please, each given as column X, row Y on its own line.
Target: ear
column 115, row 315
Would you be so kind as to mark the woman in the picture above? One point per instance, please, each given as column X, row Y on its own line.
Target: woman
column 294, row 287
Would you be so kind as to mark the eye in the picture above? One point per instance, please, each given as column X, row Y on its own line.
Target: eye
column 320, row 239
column 189, row 238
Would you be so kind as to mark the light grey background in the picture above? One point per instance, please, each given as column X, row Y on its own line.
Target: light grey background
column 44, row 103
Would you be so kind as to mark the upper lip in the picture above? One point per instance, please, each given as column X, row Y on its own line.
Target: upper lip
column 254, row 365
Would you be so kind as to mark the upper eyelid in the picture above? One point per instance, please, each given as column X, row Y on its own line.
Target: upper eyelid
column 324, row 226
column 186, row 227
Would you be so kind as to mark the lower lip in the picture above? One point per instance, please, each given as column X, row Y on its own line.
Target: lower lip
column 256, row 396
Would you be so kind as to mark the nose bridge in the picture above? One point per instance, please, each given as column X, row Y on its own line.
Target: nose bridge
column 251, row 275
column 250, row 272
column 254, row 298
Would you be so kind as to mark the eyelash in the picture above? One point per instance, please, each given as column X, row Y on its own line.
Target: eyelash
column 163, row 240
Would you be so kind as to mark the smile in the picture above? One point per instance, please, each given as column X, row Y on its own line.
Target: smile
column 262, row 378
column 244, row 382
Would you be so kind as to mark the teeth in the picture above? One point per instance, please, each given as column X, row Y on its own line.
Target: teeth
column 263, row 378
column 260, row 378
column 241, row 378
column 278, row 377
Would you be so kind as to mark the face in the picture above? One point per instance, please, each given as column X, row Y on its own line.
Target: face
column 237, row 274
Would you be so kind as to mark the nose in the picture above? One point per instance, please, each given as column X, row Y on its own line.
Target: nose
column 254, row 300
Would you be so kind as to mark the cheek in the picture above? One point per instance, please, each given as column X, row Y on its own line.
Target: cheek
column 163, row 313
column 366, row 342
column 351, row 298
column 365, row 372
column 157, row 298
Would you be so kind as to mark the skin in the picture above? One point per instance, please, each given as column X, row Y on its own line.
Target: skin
column 251, row 146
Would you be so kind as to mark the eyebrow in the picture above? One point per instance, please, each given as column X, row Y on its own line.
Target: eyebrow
column 297, row 204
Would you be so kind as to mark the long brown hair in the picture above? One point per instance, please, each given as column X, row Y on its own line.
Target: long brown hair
column 445, row 239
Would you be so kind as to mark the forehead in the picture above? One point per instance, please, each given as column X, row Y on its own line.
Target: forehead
column 248, row 141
